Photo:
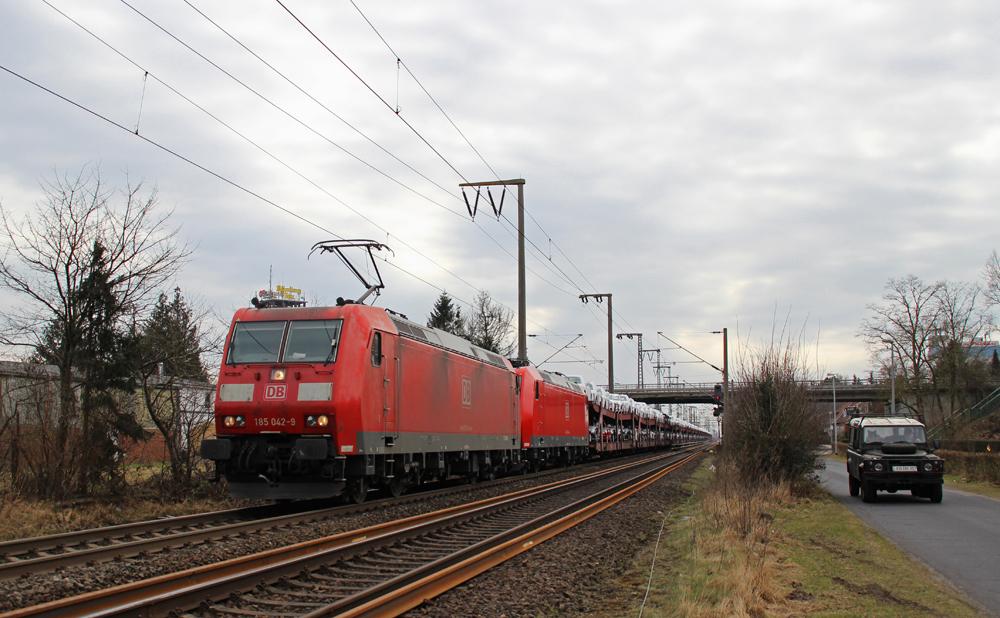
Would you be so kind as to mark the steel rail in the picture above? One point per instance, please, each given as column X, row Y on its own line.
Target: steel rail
column 159, row 595
column 47, row 553
column 409, row 590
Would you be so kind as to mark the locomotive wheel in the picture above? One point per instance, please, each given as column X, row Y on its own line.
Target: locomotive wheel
column 358, row 490
column 397, row 486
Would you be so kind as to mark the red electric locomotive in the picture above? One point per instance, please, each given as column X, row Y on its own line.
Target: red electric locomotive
column 553, row 419
column 317, row 401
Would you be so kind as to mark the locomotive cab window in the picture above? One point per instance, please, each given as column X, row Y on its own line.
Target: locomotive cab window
column 312, row 341
column 256, row 342
column 377, row 349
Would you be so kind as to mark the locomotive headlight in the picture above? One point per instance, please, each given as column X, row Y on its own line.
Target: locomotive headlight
column 321, row 420
column 229, row 421
column 277, row 375
column 234, row 421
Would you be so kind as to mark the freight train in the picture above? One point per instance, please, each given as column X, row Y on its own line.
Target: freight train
column 316, row 402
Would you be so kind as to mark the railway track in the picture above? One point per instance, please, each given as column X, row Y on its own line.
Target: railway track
column 378, row 571
column 46, row 554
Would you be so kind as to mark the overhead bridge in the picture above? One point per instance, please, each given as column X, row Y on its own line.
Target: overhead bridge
column 821, row 390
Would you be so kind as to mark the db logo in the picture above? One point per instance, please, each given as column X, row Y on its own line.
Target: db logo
column 466, row 392
column 274, row 391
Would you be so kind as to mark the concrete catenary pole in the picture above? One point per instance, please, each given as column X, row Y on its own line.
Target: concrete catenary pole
column 522, row 304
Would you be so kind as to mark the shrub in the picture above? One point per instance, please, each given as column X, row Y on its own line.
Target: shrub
column 775, row 429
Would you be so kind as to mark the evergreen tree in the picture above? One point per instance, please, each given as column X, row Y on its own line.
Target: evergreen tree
column 995, row 365
column 170, row 352
column 446, row 316
column 85, row 261
column 171, row 338
column 101, row 351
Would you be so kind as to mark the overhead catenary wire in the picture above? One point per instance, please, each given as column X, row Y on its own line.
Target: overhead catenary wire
column 213, row 173
column 467, row 141
column 319, row 103
column 377, row 95
column 275, row 158
column 398, row 115
column 297, row 120
column 562, row 274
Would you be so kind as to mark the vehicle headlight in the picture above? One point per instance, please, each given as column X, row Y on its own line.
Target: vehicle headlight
column 879, row 467
column 234, row 421
column 928, row 466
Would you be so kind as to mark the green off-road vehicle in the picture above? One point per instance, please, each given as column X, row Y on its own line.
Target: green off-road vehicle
column 889, row 454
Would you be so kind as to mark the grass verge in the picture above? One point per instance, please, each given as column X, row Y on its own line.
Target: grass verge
column 763, row 554
column 20, row 518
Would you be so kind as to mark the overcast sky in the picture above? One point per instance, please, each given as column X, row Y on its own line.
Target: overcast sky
column 711, row 164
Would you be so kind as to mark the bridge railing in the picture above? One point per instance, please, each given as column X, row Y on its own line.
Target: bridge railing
column 702, row 386
column 665, row 388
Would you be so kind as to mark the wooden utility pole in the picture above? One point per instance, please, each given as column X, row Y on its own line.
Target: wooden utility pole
column 522, row 311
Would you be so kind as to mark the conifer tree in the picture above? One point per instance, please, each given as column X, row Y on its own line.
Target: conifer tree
column 446, row 316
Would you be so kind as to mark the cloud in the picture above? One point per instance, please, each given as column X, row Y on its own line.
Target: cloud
column 704, row 162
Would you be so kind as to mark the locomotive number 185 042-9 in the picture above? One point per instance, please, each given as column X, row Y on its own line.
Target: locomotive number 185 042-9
column 274, row 422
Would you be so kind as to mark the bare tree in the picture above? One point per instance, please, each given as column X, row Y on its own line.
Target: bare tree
column 907, row 325
column 991, row 272
column 79, row 230
column 490, row 325
column 961, row 319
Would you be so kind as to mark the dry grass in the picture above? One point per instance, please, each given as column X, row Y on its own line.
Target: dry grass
column 732, row 566
column 771, row 552
column 22, row 518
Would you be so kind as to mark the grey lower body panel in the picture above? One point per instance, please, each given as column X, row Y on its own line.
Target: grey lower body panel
column 376, row 443
column 556, row 441
column 285, row 490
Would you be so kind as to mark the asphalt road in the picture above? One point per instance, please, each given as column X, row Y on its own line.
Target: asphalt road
column 959, row 538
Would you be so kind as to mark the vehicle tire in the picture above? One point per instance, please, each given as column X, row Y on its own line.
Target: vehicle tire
column 935, row 493
column 853, row 486
column 868, row 491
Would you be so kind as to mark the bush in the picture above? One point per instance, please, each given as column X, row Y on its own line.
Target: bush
column 983, row 467
column 774, row 430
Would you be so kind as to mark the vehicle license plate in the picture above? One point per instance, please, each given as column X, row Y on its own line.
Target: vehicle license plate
column 904, row 468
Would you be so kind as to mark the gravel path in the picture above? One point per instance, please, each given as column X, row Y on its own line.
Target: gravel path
column 561, row 574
